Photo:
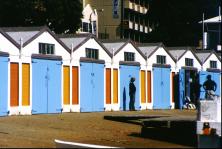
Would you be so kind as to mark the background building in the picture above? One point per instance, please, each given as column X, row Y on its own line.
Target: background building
column 116, row 19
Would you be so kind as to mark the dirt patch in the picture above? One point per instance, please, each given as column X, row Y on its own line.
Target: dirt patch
column 41, row 130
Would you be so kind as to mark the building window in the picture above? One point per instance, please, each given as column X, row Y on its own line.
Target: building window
column 92, row 53
column 129, row 56
column 213, row 64
column 160, row 59
column 188, row 62
column 45, row 48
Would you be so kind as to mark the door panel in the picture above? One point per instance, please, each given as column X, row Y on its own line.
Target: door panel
column 166, row 88
column 161, row 86
column 143, row 86
column 149, row 90
column 157, row 88
column 25, row 84
column 54, row 87
column 115, row 86
column 126, row 73
column 181, row 87
column 14, row 84
column 4, row 86
column 46, row 90
column 98, row 87
column 203, row 76
column 86, row 87
column 173, row 86
column 108, row 86
column 66, row 85
column 75, row 85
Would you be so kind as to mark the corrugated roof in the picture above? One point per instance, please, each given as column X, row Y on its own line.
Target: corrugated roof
column 177, row 52
column 113, row 46
column 203, row 56
column 26, row 33
column 73, row 40
column 147, row 50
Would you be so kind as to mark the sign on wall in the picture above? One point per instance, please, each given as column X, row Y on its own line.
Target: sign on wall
column 115, row 8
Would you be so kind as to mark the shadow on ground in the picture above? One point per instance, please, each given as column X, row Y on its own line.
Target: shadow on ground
column 177, row 131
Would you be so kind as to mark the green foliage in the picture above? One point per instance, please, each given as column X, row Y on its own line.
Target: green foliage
column 59, row 15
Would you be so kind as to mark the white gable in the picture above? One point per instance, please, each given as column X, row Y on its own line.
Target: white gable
column 7, row 46
column 161, row 51
column 91, row 43
column 188, row 54
column 212, row 57
column 129, row 48
column 45, row 37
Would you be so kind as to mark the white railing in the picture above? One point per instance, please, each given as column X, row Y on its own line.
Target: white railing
column 141, row 28
column 146, row 29
column 130, row 5
column 145, row 10
column 136, row 26
column 130, row 24
column 135, row 7
column 141, row 9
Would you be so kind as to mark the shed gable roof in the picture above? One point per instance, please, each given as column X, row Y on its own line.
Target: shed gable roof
column 28, row 34
column 118, row 45
column 79, row 40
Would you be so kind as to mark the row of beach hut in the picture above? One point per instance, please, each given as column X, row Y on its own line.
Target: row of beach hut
column 42, row 72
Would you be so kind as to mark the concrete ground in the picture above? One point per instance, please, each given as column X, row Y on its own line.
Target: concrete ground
column 91, row 128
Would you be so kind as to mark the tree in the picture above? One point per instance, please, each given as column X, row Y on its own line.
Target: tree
column 59, row 15
column 175, row 22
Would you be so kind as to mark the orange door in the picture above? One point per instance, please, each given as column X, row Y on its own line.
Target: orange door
column 149, row 86
column 115, row 86
column 14, row 84
column 108, row 86
column 143, row 86
column 25, row 84
column 173, row 74
column 66, row 85
column 75, row 85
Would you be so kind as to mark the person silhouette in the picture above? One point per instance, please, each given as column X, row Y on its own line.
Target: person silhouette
column 209, row 86
column 132, row 91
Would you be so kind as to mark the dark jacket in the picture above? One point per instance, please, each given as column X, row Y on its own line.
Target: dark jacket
column 132, row 89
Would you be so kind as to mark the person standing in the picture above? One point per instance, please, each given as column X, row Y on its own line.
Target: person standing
column 132, row 92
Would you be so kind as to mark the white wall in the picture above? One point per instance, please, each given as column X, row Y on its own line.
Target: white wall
column 181, row 62
column 152, row 60
column 80, row 52
column 212, row 57
column 120, row 57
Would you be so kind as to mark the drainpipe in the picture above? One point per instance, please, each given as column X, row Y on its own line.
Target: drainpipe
column 20, row 76
column 70, row 74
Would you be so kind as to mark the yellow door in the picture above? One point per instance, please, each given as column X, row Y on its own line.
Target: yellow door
column 66, row 85
column 25, row 84
column 75, row 85
column 143, row 86
column 115, row 86
column 14, row 84
column 149, row 86
column 108, row 86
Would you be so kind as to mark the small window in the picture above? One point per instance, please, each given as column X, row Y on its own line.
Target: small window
column 129, row 56
column 188, row 62
column 85, row 27
column 161, row 59
column 213, row 64
column 92, row 53
column 45, row 48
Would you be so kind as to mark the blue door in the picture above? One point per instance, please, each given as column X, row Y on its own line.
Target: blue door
column 215, row 76
column 126, row 73
column 161, row 88
column 46, row 86
column 3, row 86
column 181, row 87
column 91, row 87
